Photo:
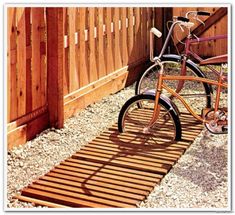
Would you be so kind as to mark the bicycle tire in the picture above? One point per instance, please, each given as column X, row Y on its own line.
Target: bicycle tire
column 166, row 105
column 190, row 65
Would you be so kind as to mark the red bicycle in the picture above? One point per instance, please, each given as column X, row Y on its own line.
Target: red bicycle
column 183, row 65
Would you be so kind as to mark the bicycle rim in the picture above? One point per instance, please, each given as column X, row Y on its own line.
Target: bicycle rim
column 193, row 92
column 135, row 119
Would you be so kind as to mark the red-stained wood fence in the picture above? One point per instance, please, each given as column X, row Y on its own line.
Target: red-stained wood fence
column 62, row 59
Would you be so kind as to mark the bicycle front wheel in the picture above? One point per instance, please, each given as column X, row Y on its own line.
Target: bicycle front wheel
column 193, row 92
column 133, row 119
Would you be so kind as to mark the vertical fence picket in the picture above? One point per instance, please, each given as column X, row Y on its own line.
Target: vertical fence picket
column 136, row 33
column 92, row 46
column 11, row 49
column 36, row 58
column 130, row 35
column 144, row 32
column 21, row 61
column 109, row 33
column 124, row 37
column 83, row 71
column 100, row 39
column 66, row 53
column 28, row 62
column 73, row 78
column 117, row 47
column 43, row 57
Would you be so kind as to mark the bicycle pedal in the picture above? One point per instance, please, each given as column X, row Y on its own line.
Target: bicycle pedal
column 225, row 129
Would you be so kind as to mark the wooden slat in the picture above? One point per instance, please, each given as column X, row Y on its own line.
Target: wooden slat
column 26, row 118
column 117, row 47
column 26, row 132
column 111, row 170
column 108, row 171
column 100, row 41
column 100, row 182
column 55, row 65
column 40, row 202
column 137, row 32
column 21, row 61
column 88, row 164
column 158, row 18
column 66, row 54
column 130, row 35
column 81, row 197
column 83, row 67
column 73, row 73
column 28, row 62
column 136, row 164
column 91, row 188
column 83, row 190
column 61, row 198
column 124, row 36
column 11, row 44
column 105, row 175
column 129, row 156
column 43, row 67
column 112, row 180
column 93, row 70
column 37, row 15
column 110, row 47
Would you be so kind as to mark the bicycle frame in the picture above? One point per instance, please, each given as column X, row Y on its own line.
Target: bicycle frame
column 182, row 78
column 160, row 85
column 189, row 52
column 190, row 41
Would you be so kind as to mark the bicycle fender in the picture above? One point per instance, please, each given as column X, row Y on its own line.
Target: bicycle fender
column 166, row 99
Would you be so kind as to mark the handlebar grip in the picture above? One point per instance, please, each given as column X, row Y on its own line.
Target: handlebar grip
column 203, row 13
column 156, row 32
column 181, row 18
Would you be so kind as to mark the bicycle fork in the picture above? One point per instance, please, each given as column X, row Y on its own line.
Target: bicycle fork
column 156, row 103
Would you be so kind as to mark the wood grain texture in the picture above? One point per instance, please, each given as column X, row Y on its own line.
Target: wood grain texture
column 55, row 65
column 113, row 170
column 21, row 61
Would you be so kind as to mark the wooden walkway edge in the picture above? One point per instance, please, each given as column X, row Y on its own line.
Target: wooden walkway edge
column 112, row 171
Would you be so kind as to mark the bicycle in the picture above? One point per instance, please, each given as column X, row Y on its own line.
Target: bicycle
column 158, row 114
column 173, row 63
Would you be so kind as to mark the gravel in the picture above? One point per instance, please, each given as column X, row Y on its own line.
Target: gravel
column 198, row 180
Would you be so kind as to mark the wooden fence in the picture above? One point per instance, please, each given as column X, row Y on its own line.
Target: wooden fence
column 27, row 74
column 100, row 43
column 215, row 24
column 62, row 59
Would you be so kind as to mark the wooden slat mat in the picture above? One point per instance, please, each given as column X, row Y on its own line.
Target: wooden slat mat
column 113, row 170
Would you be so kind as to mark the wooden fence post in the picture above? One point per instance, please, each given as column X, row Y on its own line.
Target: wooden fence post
column 55, row 65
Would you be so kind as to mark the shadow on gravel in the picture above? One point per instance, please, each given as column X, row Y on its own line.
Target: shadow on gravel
column 208, row 169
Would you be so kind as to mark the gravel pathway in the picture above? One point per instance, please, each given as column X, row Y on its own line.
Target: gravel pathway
column 198, row 180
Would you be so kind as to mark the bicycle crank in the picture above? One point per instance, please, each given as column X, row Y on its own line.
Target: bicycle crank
column 218, row 123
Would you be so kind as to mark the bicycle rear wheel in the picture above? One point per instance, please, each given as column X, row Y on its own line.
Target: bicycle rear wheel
column 193, row 92
column 133, row 119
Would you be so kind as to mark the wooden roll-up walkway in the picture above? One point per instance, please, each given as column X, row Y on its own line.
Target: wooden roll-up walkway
column 113, row 170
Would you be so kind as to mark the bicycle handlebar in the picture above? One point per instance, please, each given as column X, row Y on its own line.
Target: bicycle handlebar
column 183, row 19
column 203, row 13
column 156, row 32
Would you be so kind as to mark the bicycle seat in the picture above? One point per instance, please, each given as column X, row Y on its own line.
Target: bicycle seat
column 215, row 60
